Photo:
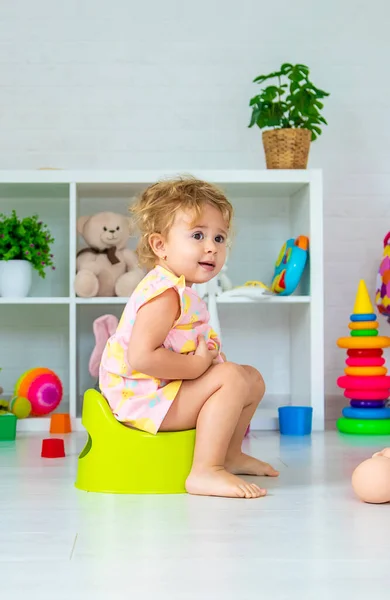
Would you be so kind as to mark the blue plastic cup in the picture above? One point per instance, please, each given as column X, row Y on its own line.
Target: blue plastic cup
column 295, row 420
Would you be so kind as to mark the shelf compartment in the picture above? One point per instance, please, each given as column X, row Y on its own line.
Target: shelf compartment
column 51, row 203
column 37, row 336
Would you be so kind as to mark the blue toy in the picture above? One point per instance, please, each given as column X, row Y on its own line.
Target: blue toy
column 290, row 265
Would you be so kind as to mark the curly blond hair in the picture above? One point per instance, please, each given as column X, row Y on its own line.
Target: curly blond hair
column 155, row 209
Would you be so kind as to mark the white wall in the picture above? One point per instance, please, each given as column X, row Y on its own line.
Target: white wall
column 119, row 84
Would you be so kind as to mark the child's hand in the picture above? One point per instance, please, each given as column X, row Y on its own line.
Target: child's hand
column 207, row 356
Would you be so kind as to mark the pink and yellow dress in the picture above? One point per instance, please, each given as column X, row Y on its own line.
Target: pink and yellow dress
column 139, row 400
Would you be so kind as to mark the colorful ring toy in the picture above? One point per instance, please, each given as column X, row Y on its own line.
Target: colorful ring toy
column 365, row 371
column 364, row 332
column 363, row 325
column 378, row 394
column 366, row 404
column 379, row 341
column 366, row 413
column 364, row 426
column 369, row 361
column 362, row 317
column 366, row 383
column 365, row 352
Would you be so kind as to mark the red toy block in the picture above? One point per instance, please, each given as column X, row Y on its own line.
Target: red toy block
column 53, row 448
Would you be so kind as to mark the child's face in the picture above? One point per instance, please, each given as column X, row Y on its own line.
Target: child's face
column 196, row 250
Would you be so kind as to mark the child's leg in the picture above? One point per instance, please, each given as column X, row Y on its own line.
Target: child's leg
column 213, row 404
column 236, row 461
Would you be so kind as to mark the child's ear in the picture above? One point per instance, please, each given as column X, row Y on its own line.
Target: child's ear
column 157, row 244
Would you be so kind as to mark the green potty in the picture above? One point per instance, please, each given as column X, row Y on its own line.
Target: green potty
column 119, row 460
column 7, row 427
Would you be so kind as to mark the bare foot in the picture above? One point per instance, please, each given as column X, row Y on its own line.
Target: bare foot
column 215, row 481
column 242, row 464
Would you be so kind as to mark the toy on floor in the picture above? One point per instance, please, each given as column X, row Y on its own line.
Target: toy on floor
column 42, row 388
column 19, row 406
column 106, row 267
column 371, row 479
column 60, row 423
column 7, row 427
column 366, row 382
column 382, row 293
column 288, row 271
column 53, row 448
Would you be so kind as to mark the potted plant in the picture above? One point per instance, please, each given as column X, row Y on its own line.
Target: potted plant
column 290, row 108
column 24, row 245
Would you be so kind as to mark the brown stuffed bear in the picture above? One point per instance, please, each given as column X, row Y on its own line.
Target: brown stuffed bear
column 106, row 267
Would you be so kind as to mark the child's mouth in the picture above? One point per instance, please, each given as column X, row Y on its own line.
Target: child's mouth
column 207, row 265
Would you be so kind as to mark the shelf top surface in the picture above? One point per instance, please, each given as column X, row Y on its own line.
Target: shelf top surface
column 128, row 184
column 121, row 300
column 149, row 176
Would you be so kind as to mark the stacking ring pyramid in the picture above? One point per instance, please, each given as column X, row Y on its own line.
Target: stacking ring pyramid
column 366, row 382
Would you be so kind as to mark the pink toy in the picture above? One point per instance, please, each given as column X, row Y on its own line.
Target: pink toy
column 373, row 382
column 373, row 361
column 103, row 328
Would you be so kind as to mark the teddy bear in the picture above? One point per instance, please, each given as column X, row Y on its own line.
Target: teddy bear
column 106, row 267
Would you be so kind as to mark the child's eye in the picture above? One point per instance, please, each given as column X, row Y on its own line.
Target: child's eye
column 219, row 239
column 198, row 235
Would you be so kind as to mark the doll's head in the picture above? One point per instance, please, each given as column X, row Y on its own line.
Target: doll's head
column 371, row 479
column 184, row 226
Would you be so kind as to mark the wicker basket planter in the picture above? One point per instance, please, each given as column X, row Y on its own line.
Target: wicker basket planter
column 286, row 148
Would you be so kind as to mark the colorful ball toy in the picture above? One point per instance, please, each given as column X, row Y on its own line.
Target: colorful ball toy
column 382, row 294
column 365, row 382
column 42, row 387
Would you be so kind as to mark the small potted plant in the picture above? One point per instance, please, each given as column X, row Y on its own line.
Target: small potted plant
column 24, row 245
column 290, row 109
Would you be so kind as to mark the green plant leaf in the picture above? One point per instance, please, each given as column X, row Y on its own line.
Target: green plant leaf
column 26, row 239
column 286, row 68
column 292, row 104
column 254, row 117
column 262, row 78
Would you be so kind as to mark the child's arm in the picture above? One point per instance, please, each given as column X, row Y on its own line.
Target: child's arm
column 153, row 322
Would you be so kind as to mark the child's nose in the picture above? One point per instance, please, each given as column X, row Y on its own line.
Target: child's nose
column 211, row 246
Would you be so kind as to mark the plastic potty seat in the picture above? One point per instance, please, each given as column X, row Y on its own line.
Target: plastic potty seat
column 119, row 460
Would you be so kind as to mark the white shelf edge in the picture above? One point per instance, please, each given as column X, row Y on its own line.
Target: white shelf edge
column 72, row 304
column 264, row 300
column 38, row 300
column 150, row 176
column 122, row 300
column 102, row 300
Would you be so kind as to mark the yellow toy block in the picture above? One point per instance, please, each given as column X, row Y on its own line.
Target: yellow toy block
column 119, row 460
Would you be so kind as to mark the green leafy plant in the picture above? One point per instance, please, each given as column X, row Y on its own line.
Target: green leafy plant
column 292, row 104
column 26, row 239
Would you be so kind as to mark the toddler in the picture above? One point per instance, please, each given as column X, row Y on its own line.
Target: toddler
column 163, row 369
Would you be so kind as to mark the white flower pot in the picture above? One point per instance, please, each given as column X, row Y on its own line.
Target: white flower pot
column 15, row 278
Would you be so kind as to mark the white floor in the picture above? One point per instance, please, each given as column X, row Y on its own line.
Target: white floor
column 309, row 539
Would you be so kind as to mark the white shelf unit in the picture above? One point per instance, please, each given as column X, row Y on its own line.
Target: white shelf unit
column 281, row 336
